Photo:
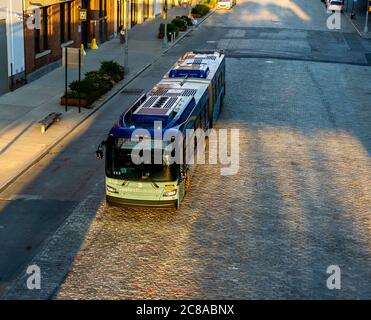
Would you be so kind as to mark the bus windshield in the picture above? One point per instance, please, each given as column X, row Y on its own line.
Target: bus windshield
column 120, row 166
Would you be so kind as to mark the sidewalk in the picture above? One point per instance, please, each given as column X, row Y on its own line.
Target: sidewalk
column 359, row 22
column 21, row 142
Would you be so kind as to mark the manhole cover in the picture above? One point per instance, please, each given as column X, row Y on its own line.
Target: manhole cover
column 132, row 92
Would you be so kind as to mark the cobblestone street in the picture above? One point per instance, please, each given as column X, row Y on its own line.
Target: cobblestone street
column 301, row 201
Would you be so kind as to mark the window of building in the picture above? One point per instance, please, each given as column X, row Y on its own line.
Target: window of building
column 66, row 21
column 41, row 35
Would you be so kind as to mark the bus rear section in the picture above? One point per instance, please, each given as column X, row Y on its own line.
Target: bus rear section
column 202, row 66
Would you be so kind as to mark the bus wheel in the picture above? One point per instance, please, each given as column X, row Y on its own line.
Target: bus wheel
column 177, row 205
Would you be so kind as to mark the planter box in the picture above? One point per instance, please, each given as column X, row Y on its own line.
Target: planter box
column 88, row 101
column 84, row 102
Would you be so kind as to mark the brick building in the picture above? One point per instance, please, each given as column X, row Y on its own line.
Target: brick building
column 50, row 25
column 12, row 69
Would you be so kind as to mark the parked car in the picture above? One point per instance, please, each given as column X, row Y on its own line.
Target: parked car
column 225, row 4
column 335, row 5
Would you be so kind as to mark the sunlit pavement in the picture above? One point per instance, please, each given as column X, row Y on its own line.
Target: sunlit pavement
column 300, row 202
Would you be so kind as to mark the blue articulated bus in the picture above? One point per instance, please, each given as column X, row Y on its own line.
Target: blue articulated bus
column 206, row 67
column 188, row 97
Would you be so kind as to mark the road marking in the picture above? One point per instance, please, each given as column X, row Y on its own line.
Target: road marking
column 237, row 33
column 211, row 41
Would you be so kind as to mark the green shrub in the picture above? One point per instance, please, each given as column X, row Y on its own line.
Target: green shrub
column 111, row 69
column 93, row 82
column 96, row 82
column 171, row 28
column 200, row 9
column 101, row 81
column 179, row 23
column 86, row 86
column 93, row 74
column 75, row 95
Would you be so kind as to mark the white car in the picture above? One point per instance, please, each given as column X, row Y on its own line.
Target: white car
column 335, row 5
column 224, row 4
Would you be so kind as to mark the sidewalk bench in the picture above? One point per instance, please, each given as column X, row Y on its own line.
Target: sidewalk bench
column 49, row 120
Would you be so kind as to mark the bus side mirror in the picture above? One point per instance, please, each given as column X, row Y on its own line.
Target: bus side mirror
column 182, row 176
column 99, row 154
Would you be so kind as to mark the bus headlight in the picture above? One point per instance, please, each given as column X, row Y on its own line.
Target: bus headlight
column 169, row 193
column 111, row 189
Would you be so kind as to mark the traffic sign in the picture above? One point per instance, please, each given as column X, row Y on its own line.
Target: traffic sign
column 83, row 15
column 73, row 58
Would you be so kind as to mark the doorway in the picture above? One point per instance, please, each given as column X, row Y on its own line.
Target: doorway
column 85, row 25
column 134, row 12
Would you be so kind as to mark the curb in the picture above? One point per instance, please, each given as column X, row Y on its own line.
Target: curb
column 88, row 115
column 360, row 33
column 354, row 26
column 211, row 12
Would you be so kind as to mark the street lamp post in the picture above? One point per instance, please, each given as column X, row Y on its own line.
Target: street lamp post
column 366, row 22
column 164, row 19
column 126, row 45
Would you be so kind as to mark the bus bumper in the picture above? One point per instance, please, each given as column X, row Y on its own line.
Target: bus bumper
column 120, row 202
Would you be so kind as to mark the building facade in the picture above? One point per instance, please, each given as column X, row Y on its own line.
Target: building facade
column 51, row 25
column 12, row 67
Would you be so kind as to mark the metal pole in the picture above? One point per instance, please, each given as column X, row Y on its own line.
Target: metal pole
column 79, row 79
column 66, row 80
column 164, row 19
column 126, row 46
column 366, row 22
column 11, row 78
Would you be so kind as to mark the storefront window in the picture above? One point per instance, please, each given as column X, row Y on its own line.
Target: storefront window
column 66, row 21
column 41, row 35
